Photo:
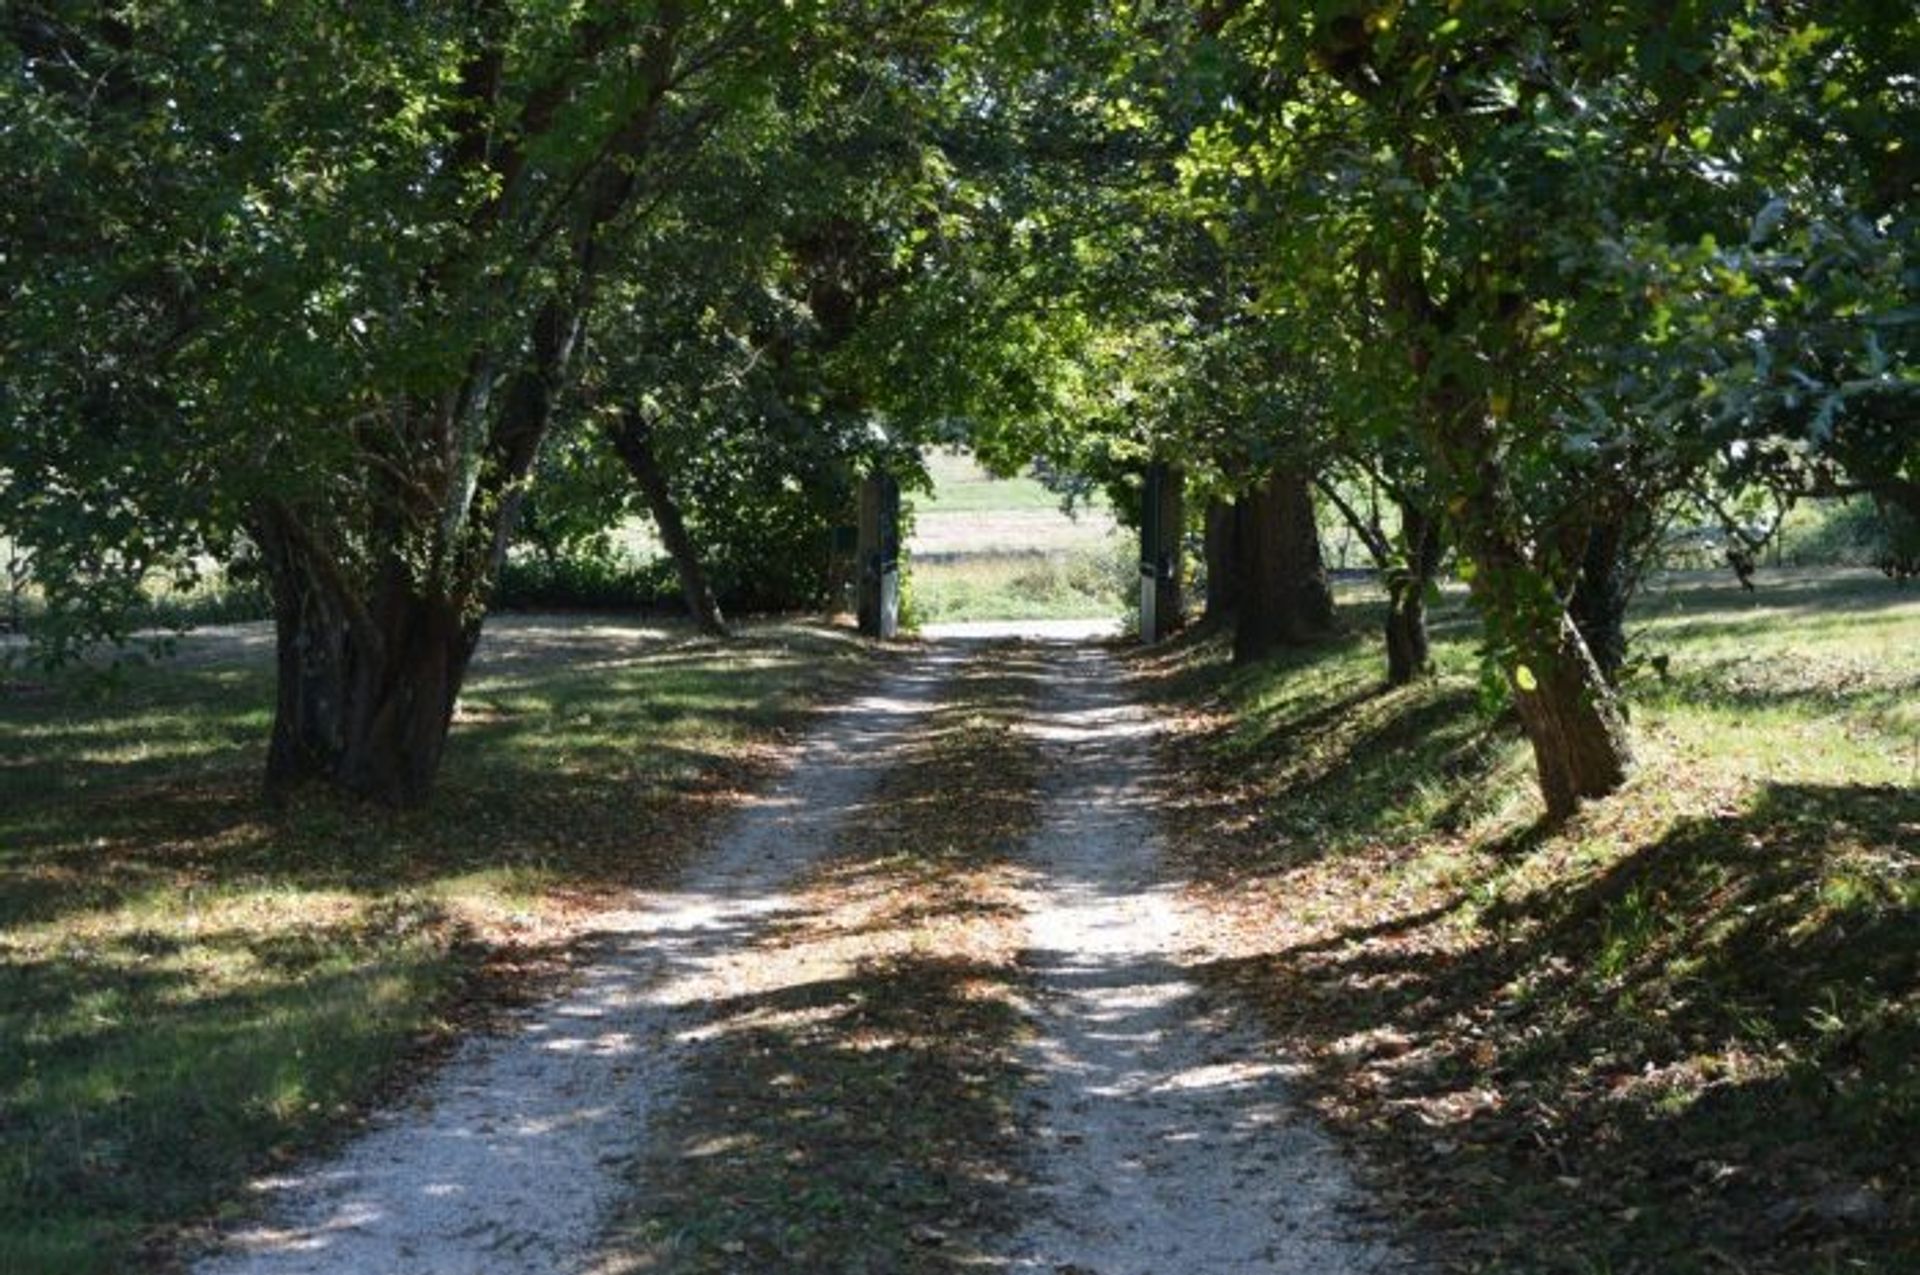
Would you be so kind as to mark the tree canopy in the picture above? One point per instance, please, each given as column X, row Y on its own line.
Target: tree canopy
column 338, row 289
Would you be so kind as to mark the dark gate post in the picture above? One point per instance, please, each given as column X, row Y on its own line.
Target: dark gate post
column 879, row 609
column 1162, row 519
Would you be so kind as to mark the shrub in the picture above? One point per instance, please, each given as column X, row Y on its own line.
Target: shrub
column 1856, row 533
column 594, row 579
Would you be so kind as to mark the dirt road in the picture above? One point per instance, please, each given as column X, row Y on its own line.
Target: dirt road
column 1148, row 1129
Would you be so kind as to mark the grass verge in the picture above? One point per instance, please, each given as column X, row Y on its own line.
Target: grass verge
column 1081, row 584
column 851, row 1108
column 1680, row 1033
column 194, row 986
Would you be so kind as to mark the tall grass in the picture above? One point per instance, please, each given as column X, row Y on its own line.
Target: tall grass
column 1082, row 584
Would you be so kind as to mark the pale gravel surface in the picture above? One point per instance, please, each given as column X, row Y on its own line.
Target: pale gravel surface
column 1168, row 1139
column 511, row 642
column 509, row 1158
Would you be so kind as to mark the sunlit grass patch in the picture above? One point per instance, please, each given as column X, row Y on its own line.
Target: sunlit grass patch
column 1083, row 584
column 961, row 486
column 194, row 984
column 1678, row 1033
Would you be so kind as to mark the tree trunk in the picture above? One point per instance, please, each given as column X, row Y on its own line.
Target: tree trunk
column 1600, row 596
column 1284, row 597
column 1222, row 569
column 369, row 668
column 1569, row 712
column 1579, row 739
column 1409, row 653
column 1571, row 718
column 365, row 693
column 1900, row 520
column 633, row 440
column 379, row 588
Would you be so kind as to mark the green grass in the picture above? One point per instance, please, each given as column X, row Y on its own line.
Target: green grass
column 960, row 486
column 194, row 985
column 1681, row 1033
column 1080, row 585
column 852, row 1106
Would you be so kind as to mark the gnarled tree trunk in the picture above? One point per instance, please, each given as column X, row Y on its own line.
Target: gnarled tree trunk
column 365, row 689
column 379, row 590
column 1409, row 652
column 1284, row 596
column 370, row 663
column 1579, row 739
column 1601, row 592
column 1567, row 708
column 632, row 436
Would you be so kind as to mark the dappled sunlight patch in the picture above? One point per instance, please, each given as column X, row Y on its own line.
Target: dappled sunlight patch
column 849, row 1105
column 1683, row 1020
column 193, row 982
column 1324, row 760
column 260, row 1019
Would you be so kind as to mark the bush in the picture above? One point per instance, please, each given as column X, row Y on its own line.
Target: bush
column 585, row 581
column 222, row 597
column 765, row 535
column 232, row 601
column 1854, row 533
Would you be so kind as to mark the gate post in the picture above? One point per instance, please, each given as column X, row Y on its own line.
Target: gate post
column 1162, row 520
column 879, row 555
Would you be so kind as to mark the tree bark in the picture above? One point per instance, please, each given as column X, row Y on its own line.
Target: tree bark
column 1284, row 596
column 1571, row 717
column 1409, row 652
column 1601, row 592
column 370, row 666
column 1222, row 567
column 633, row 440
column 1569, row 712
column 1579, row 739
column 365, row 692
column 378, row 593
